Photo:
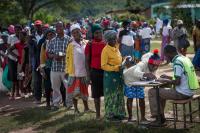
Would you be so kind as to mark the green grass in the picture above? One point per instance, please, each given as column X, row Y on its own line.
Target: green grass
column 62, row 121
column 154, row 45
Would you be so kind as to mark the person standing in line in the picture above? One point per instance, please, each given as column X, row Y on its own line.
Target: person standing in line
column 126, row 40
column 76, row 70
column 93, row 52
column 111, row 60
column 145, row 34
column 45, row 66
column 56, row 52
column 166, row 37
column 179, row 32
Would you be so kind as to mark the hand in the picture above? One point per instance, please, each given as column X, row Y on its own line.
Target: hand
column 58, row 58
column 149, row 76
column 43, row 74
column 66, row 76
column 164, row 76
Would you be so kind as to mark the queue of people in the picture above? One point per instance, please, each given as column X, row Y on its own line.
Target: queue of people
column 67, row 59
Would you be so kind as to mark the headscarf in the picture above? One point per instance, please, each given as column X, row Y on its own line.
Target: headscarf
column 94, row 28
column 155, row 58
column 106, row 22
column 11, row 29
column 109, row 35
column 166, row 21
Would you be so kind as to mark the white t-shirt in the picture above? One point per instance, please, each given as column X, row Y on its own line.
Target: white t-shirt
column 183, row 88
column 79, row 60
column 12, row 39
column 145, row 33
column 166, row 29
column 128, row 39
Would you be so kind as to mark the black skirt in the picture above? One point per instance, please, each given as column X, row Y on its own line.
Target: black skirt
column 97, row 83
column 12, row 70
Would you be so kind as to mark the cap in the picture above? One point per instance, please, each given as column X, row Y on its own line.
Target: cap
column 38, row 22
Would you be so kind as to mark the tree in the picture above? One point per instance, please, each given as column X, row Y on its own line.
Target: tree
column 29, row 7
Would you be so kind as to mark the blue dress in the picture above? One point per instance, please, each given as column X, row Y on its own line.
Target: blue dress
column 134, row 92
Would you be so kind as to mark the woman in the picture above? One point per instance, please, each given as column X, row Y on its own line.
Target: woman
column 75, row 68
column 45, row 66
column 93, row 57
column 126, row 39
column 143, row 70
column 113, row 87
column 166, row 33
column 17, row 73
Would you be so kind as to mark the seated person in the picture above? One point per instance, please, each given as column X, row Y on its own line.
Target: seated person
column 184, row 83
column 144, row 69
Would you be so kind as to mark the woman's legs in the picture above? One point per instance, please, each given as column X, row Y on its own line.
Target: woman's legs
column 129, row 107
column 85, row 102
column 97, row 103
column 13, row 89
column 75, row 102
column 142, row 108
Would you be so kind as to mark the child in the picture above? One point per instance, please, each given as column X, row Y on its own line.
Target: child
column 145, row 68
column 17, row 73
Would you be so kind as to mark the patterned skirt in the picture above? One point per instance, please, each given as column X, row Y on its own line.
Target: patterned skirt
column 77, row 88
column 134, row 92
column 113, row 95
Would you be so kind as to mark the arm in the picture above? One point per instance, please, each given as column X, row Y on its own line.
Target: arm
column 42, row 56
column 10, row 51
column 88, row 58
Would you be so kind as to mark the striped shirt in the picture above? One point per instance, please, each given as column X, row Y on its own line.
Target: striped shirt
column 57, row 45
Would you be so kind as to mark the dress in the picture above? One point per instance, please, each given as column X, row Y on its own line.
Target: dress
column 112, row 83
column 94, row 51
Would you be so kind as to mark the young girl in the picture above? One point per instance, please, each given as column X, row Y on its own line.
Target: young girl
column 144, row 69
column 17, row 72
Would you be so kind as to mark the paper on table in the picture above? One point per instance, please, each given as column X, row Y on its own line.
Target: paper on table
column 145, row 82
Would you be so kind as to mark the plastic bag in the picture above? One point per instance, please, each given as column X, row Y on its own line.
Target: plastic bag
column 5, row 81
column 2, row 87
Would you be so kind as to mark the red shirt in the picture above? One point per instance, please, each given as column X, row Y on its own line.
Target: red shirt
column 96, row 50
column 19, row 46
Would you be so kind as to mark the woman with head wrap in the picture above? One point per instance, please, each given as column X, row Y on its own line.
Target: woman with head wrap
column 143, row 70
column 76, row 70
column 166, row 34
column 93, row 65
column 113, row 87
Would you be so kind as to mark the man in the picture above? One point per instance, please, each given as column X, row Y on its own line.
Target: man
column 35, row 41
column 56, row 51
column 184, row 79
column 179, row 32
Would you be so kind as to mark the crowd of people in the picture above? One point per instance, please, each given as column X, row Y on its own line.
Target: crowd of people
column 64, row 59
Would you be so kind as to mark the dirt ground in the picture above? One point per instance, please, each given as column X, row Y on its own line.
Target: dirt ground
column 8, row 107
